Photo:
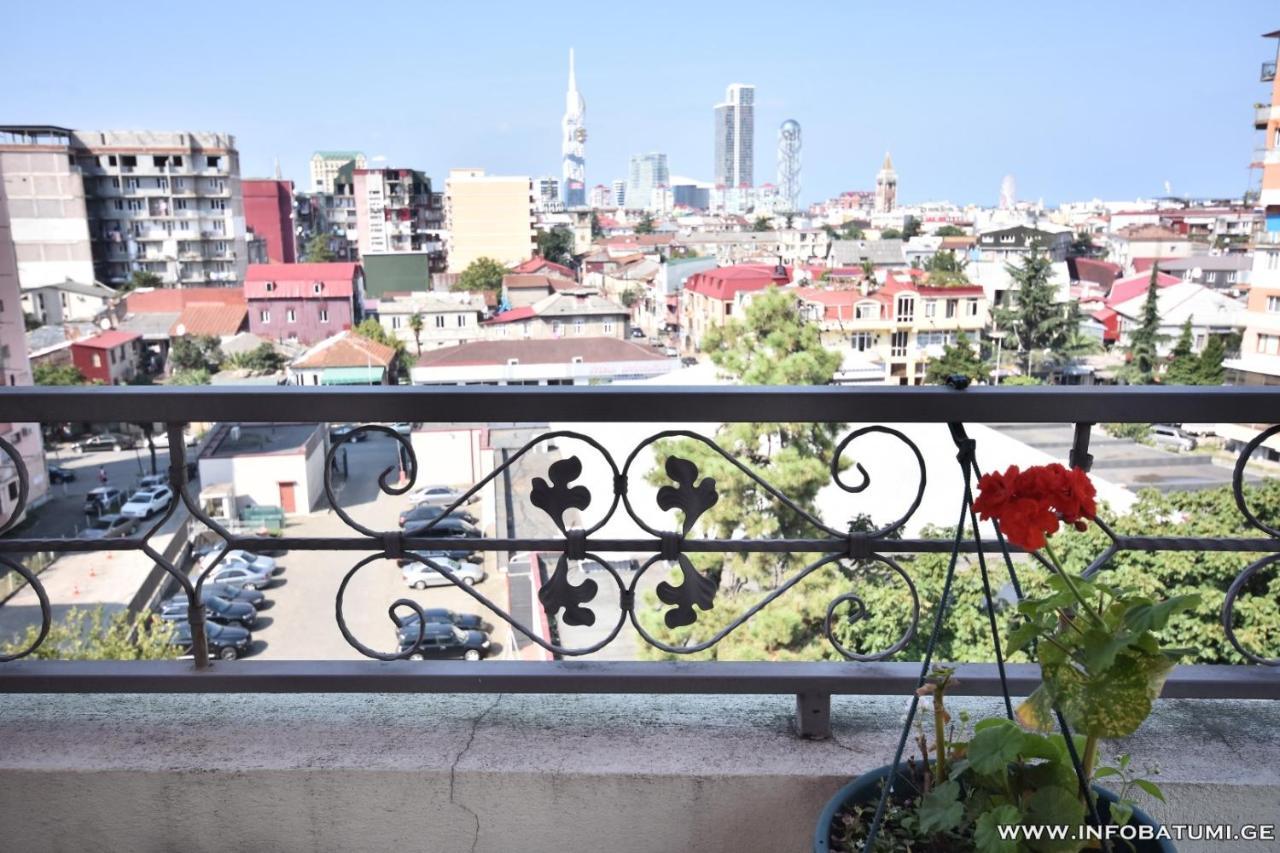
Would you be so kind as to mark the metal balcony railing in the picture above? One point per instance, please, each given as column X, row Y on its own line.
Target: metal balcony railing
column 874, row 671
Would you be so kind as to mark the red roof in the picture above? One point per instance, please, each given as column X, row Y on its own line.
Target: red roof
column 1135, row 285
column 173, row 300
column 522, row 313
column 107, row 340
column 542, row 265
column 216, row 320
column 537, row 281
column 297, row 281
column 1096, row 271
column 724, row 283
column 346, row 349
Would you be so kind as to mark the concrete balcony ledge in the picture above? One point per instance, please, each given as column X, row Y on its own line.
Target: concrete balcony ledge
column 357, row 772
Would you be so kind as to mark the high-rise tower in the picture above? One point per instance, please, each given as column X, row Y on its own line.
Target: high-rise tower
column 736, row 137
column 573, row 144
column 789, row 163
column 886, row 186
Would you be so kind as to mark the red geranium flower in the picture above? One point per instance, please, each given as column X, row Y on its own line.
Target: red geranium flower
column 1029, row 504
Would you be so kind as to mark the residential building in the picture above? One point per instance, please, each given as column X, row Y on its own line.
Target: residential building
column 899, row 326
column 15, row 369
column 344, row 359
column 112, row 358
column 648, row 174
column 213, row 321
column 332, row 215
column 154, row 314
column 691, row 196
column 268, row 215
column 279, row 465
column 567, row 313
column 47, row 209
column 563, row 361
column 1011, row 245
column 573, row 144
column 541, row 266
column 447, row 318
column 547, row 192
column 306, row 303
column 710, row 298
column 395, row 211
column 619, row 190
column 735, row 133
column 600, row 197
column 1210, row 312
column 886, row 187
column 882, row 254
column 67, row 301
column 488, row 216
column 520, row 290
column 1227, row 272
column 1134, row 243
column 326, row 164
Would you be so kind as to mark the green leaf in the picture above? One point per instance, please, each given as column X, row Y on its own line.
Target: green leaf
column 1104, row 772
column 995, row 747
column 1101, row 647
column 1124, row 760
column 1121, row 812
column 1021, row 637
column 1151, row 788
column 1148, row 616
column 986, row 833
column 940, row 809
column 1109, row 704
column 1055, row 805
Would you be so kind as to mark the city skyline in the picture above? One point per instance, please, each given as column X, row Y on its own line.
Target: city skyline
column 1016, row 100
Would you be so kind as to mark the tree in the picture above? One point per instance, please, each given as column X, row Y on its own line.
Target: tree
column 195, row 352
column 190, row 377
column 946, row 270
column 772, row 345
column 415, row 326
column 90, row 634
column 141, row 278
column 645, row 224
column 1082, row 245
column 631, row 296
column 370, row 329
column 851, row 231
column 29, row 322
column 1039, row 324
column 910, row 228
column 1144, row 341
column 556, row 245
column 57, row 374
column 317, row 250
column 264, row 357
column 890, row 234
column 1021, row 380
column 1184, row 365
column 869, row 274
column 949, row 231
column 480, row 275
column 596, row 231
column 958, row 359
column 1211, row 371
column 761, row 224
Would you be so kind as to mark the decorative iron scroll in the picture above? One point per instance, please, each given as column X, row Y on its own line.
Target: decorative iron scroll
column 558, row 494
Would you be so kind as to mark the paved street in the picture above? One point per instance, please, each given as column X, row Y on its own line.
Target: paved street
column 301, row 625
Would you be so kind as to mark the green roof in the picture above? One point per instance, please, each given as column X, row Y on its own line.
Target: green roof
column 396, row 272
column 351, row 376
column 333, row 155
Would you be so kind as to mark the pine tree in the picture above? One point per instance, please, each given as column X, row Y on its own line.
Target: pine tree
column 1210, row 370
column 1144, row 341
column 957, row 359
column 1184, row 365
column 1038, row 322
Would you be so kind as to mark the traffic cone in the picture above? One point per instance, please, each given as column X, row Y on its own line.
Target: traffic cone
column 76, row 591
column 93, row 573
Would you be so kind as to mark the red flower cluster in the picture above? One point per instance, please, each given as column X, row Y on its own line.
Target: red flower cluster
column 1028, row 504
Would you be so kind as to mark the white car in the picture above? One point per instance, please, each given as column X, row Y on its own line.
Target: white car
column 420, row 575
column 240, row 557
column 240, row 574
column 438, row 495
column 147, row 502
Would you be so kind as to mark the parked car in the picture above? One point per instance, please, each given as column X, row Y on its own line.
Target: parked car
column 438, row 495
column 423, row 513
column 689, row 361
column 229, row 591
column 106, row 441
column 637, row 332
column 339, row 431
column 238, row 556
column 447, row 641
column 420, row 575
column 161, row 439
column 58, row 474
column 242, row 574
column 456, row 556
column 447, row 526
column 403, row 427
column 1164, row 435
column 408, row 625
column 148, row 502
column 225, row 641
column 109, row 527
column 215, row 608
column 103, row 499
column 671, row 352
column 152, row 480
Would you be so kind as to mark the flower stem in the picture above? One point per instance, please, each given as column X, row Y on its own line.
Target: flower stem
column 1075, row 591
column 939, row 735
column 1089, row 757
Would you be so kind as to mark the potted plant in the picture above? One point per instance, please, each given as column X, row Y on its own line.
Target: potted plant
column 975, row 784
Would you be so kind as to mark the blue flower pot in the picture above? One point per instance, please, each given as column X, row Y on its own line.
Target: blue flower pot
column 866, row 789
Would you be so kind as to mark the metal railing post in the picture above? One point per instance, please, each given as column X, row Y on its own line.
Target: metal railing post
column 813, row 716
column 178, row 482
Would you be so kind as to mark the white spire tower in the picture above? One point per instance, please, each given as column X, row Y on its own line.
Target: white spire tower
column 573, row 185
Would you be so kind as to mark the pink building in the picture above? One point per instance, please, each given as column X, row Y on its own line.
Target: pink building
column 268, row 212
column 303, row 302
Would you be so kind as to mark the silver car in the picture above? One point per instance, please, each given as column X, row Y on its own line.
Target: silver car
column 420, row 575
column 1164, row 435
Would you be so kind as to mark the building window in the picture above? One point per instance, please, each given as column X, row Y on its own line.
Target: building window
column 439, row 321
column 905, row 309
column 265, row 317
column 898, row 345
column 930, row 307
column 555, row 328
column 395, row 321
column 867, row 311
column 97, row 359
column 951, row 308
column 324, row 315
column 971, row 307
column 461, row 320
column 1269, row 344
column 1273, row 304
column 528, row 330
column 317, row 287
column 862, row 341
column 290, row 316
column 579, row 326
column 608, row 327
column 270, row 286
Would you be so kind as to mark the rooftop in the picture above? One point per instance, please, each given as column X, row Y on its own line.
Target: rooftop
column 554, row 351
column 107, row 340
column 346, row 349
column 215, row 320
column 249, row 439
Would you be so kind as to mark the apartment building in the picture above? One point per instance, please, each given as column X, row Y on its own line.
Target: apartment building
column 268, row 215
column 902, row 325
column 564, row 314
column 395, row 211
column 712, row 297
column 448, row 319
column 325, row 166
column 488, row 216
column 67, row 301
column 306, row 303
column 15, row 369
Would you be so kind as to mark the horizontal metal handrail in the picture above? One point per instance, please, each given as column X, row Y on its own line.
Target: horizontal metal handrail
column 617, row 404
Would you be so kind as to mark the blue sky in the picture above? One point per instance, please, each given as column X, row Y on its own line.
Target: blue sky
column 1077, row 101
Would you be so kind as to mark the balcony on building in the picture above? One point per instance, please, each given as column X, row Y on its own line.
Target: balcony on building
column 1268, row 72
